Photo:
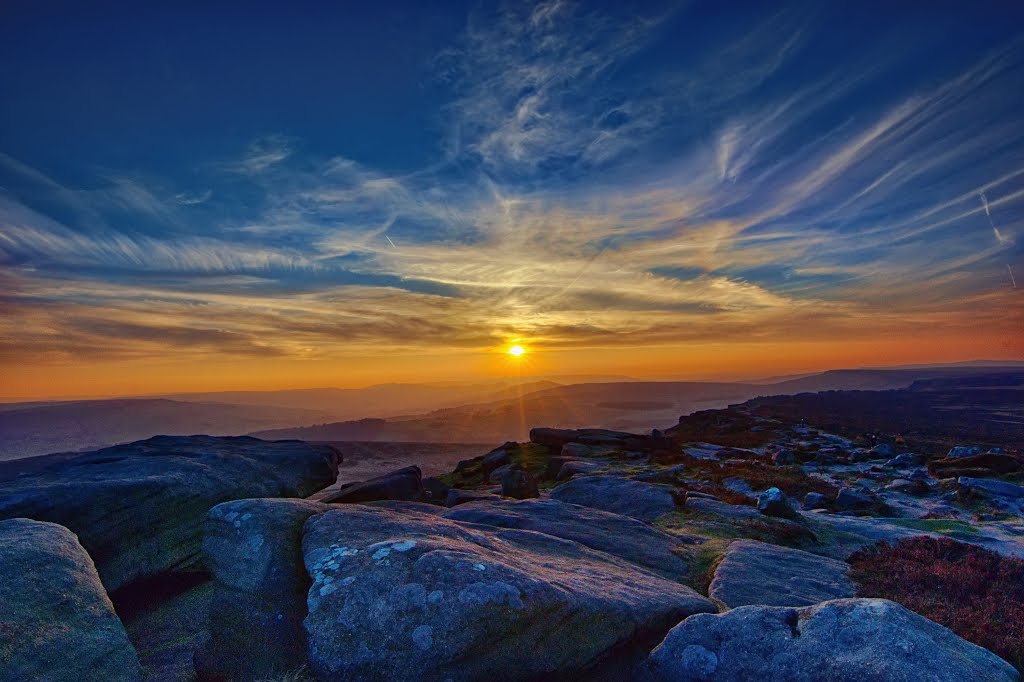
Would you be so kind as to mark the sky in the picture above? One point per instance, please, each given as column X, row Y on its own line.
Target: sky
column 277, row 195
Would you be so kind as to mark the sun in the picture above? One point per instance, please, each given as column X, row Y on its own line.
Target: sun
column 516, row 351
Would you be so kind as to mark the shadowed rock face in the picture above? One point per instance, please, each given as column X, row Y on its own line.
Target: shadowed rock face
column 56, row 621
column 138, row 508
column 759, row 573
column 254, row 550
column 410, row 596
column 846, row 640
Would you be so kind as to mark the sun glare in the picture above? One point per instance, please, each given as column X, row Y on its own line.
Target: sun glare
column 516, row 351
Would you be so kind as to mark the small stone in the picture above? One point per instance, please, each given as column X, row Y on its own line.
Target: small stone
column 774, row 502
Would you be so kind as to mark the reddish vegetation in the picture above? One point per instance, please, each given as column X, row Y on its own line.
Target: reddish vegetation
column 976, row 593
column 790, row 480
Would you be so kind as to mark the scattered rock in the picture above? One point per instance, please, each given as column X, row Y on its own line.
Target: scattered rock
column 915, row 487
column 574, row 467
column 882, row 450
column 988, row 486
column 774, row 502
column 644, row 501
column 758, row 573
column 849, row 499
column 783, row 457
column 412, row 597
column 435, row 490
column 402, row 484
column 964, row 451
column 621, row 536
column 738, row 485
column 860, row 455
column 845, row 640
column 905, row 461
column 56, row 621
column 518, row 485
column 457, row 496
column 815, row 501
column 139, row 508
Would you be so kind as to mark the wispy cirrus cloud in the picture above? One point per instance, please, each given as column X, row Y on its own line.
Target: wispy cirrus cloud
column 583, row 196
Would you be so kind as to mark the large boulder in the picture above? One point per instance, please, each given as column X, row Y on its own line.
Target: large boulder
column 622, row 536
column 56, row 621
column 644, row 501
column 139, row 508
column 417, row 597
column 987, row 486
column 846, row 640
column 254, row 550
column 519, row 485
column 755, row 572
column 985, row 464
column 401, row 484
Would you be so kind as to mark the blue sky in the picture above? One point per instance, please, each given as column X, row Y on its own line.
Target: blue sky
column 257, row 181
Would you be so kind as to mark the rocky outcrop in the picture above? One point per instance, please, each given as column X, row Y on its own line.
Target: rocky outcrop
column 558, row 438
column 254, row 550
column 756, row 573
column 417, row 597
column 56, row 621
column 402, row 484
column 621, row 536
column 846, row 640
column 139, row 508
column 644, row 501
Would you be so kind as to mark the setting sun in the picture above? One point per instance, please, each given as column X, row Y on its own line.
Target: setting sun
column 516, row 351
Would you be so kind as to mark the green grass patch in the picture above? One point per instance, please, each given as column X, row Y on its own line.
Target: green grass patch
column 530, row 457
column 944, row 526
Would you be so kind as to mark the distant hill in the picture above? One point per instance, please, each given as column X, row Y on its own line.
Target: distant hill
column 630, row 406
column 83, row 425
column 487, row 411
column 935, row 413
column 637, row 406
column 381, row 400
